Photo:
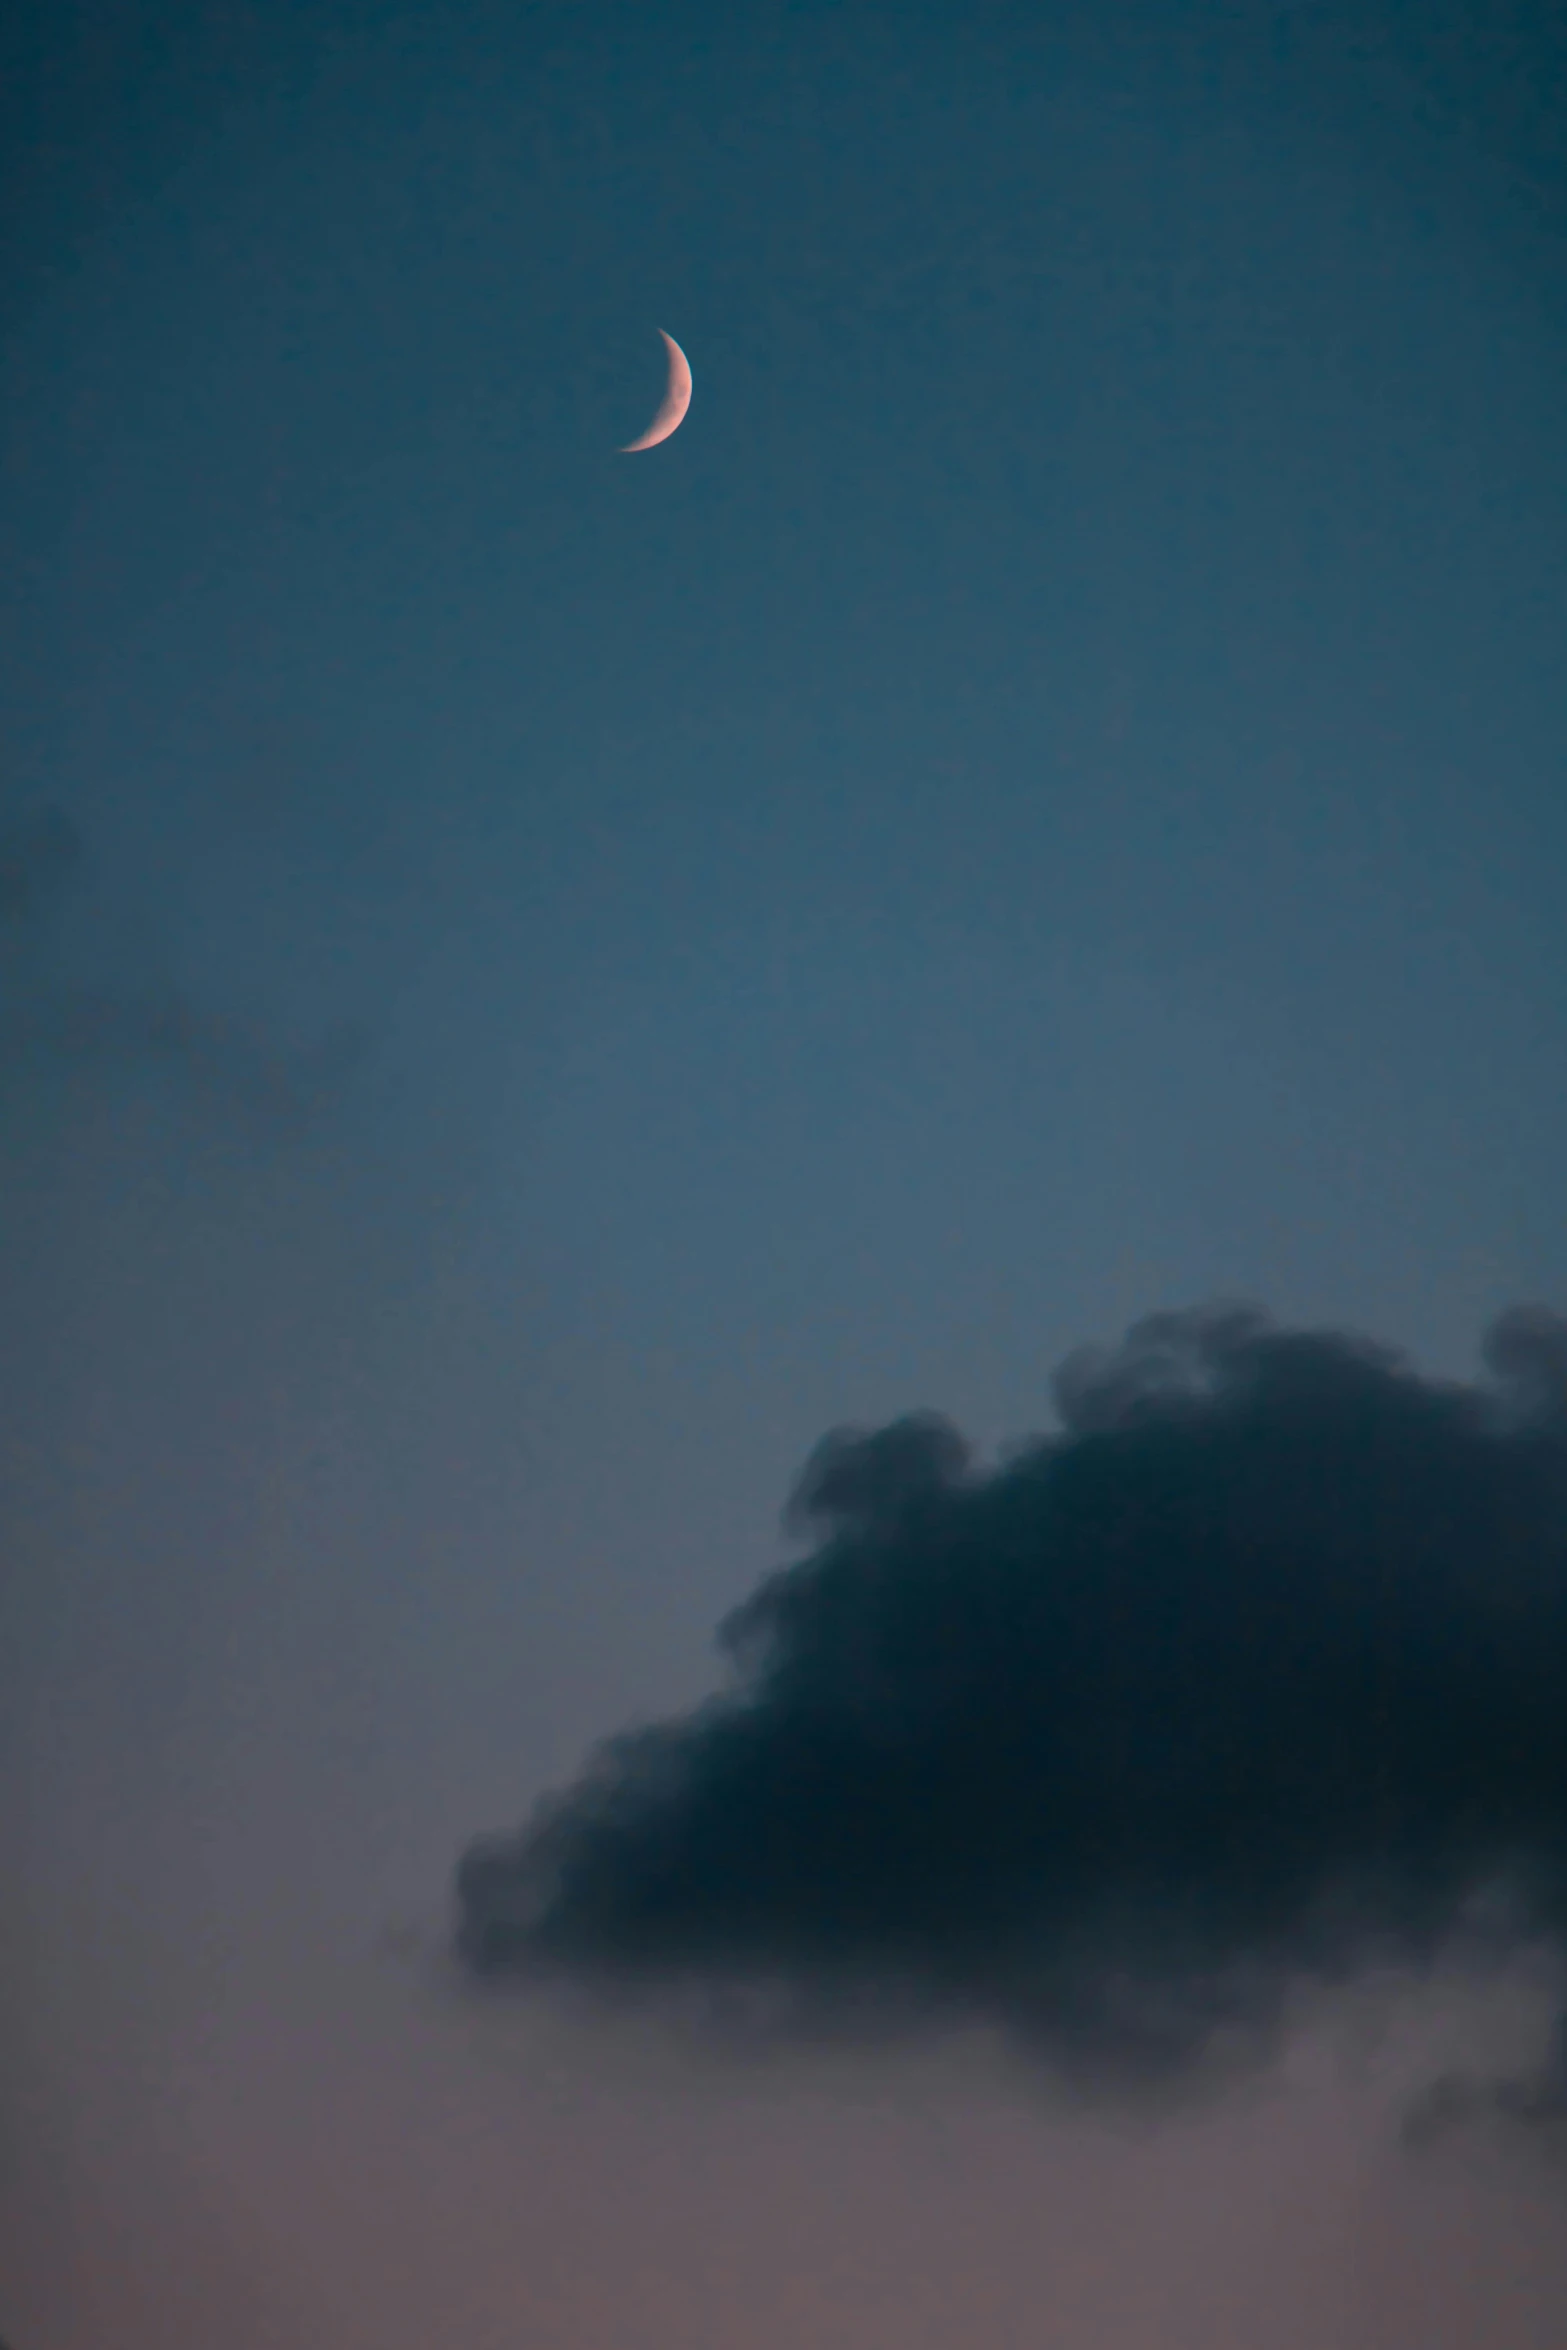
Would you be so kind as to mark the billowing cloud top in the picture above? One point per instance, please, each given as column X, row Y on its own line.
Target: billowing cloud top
column 1258, row 1664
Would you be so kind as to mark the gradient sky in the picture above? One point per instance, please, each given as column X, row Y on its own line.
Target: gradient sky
column 1043, row 802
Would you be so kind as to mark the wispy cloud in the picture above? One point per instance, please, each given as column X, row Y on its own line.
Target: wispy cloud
column 50, row 1015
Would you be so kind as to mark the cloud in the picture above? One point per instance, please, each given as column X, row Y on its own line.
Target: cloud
column 1255, row 1670
column 51, row 1017
column 38, row 856
column 1531, row 2105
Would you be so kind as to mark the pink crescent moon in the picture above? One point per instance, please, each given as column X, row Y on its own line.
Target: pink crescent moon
column 677, row 399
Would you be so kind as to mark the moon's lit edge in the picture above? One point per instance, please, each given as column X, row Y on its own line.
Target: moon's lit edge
column 676, row 400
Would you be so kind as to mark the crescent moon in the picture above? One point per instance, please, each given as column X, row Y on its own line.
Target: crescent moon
column 677, row 399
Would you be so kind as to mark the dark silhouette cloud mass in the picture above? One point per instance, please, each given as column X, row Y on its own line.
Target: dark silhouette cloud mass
column 1256, row 1667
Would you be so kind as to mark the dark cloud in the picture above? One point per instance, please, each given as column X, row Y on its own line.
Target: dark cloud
column 1255, row 1668
column 50, row 1016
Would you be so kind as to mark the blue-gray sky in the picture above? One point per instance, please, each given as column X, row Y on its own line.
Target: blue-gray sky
column 561, row 977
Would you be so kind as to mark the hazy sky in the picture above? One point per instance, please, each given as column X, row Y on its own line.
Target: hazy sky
column 534, row 983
